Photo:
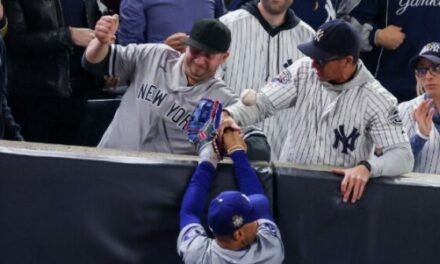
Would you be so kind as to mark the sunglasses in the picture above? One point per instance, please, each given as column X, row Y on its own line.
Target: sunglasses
column 322, row 63
column 433, row 69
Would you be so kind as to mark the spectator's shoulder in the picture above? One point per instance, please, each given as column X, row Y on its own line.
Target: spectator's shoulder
column 237, row 16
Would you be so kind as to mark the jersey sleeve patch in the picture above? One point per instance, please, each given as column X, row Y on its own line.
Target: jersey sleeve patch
column 270, row 228
column 394, row 116
column 283, row 77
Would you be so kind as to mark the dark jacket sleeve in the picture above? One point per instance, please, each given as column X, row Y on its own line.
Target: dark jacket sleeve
column 370, row 12
column 26, row 41
column 8, row 128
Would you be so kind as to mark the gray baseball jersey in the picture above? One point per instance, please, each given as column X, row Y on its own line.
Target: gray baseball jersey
column 194, row 246
column 257, row 54
column 427, row 160
column 336, row 125
column 158, row 104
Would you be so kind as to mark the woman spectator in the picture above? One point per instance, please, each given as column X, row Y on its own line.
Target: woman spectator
column 421, row 116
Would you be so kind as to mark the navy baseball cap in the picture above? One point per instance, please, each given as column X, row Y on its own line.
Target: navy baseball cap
column 231, row 210
column 430, row 51
column 336, row 38
column 209, row 35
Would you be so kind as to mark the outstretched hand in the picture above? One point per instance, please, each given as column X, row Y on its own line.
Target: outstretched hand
column 354, row 182
column 105, row 29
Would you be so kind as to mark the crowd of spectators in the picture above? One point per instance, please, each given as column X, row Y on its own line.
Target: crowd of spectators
column 45, row 89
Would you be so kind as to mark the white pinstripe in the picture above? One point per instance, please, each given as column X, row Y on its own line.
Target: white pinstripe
column 255, row 57
column 320, row 108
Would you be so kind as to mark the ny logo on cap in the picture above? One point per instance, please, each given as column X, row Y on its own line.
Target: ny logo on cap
column 319, row 35
column 431, row 47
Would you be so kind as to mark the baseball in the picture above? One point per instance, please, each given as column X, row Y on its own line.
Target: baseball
column 248, row 97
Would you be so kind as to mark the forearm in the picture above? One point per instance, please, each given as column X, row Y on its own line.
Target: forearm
column 96, row 52
column 248, row 115
column 97, row 69
column 396, row 160
column 247, row 179
column 196, row 195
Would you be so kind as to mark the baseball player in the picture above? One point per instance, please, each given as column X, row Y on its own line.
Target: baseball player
column 241, row 221
column 265, row 34
column 421, row 116
column 343, row 114
column 165, row 85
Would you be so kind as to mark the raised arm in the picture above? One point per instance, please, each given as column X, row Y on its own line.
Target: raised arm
column 201, row 133
column 105, row 31
column 245, row 175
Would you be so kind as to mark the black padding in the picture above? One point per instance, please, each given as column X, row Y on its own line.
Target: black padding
column 66, row 210
column 392, row 223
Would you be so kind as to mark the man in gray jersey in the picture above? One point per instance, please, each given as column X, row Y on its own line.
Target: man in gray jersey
column 265, row 34
column 165, row 86
column 343, row 114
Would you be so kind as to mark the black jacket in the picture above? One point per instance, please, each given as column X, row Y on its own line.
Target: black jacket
column 39, row 46
column 8, row 128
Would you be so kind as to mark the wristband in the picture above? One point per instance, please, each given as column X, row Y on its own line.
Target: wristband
column 366, row 164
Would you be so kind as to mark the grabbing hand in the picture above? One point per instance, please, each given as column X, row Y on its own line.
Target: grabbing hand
column 423, row 115
column 175, row 41
column 390, row 37
column 354, row 182
column 105, row 29
column 233, row 141
column 81, row 37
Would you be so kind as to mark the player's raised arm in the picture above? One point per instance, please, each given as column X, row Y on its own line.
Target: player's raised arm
column 201, row 132
column 247, row 179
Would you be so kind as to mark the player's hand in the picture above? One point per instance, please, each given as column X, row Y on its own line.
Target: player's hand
column 105, row 29
column 227, row 123
column 81, row 37
column 354, row 182
column 423, row 114
column 233, row 141
column 175, row 41
column 390, row 37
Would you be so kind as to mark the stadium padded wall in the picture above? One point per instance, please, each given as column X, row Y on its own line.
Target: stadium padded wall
column 75, row 205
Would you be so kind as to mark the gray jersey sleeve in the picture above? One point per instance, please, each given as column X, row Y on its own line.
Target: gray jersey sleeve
column 270, row 246
column 192, row 243
column 385, row 126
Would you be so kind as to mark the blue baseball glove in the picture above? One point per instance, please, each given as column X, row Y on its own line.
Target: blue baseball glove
column 205, row 120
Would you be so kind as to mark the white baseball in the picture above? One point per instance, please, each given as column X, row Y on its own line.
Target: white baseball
column 248, row 97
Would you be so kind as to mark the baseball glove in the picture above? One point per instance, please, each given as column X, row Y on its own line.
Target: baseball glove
column 203, row 125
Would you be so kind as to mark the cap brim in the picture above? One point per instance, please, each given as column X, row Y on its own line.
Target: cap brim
column 415, row 59
column 260, row 206
column 193, row 43
column 312, row 51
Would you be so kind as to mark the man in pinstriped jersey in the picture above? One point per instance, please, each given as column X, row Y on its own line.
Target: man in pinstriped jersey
column 342, row 114
column 265, row 34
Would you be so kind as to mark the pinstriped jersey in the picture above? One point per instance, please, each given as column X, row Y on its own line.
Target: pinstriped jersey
column 158, row 104
column 256, row 55
column 194, row 246
column 427, row 160
column 336, row 125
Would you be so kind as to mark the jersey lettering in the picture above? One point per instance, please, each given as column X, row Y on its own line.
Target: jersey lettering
column 151, row 93
column 178, row 115
column 347, row 142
